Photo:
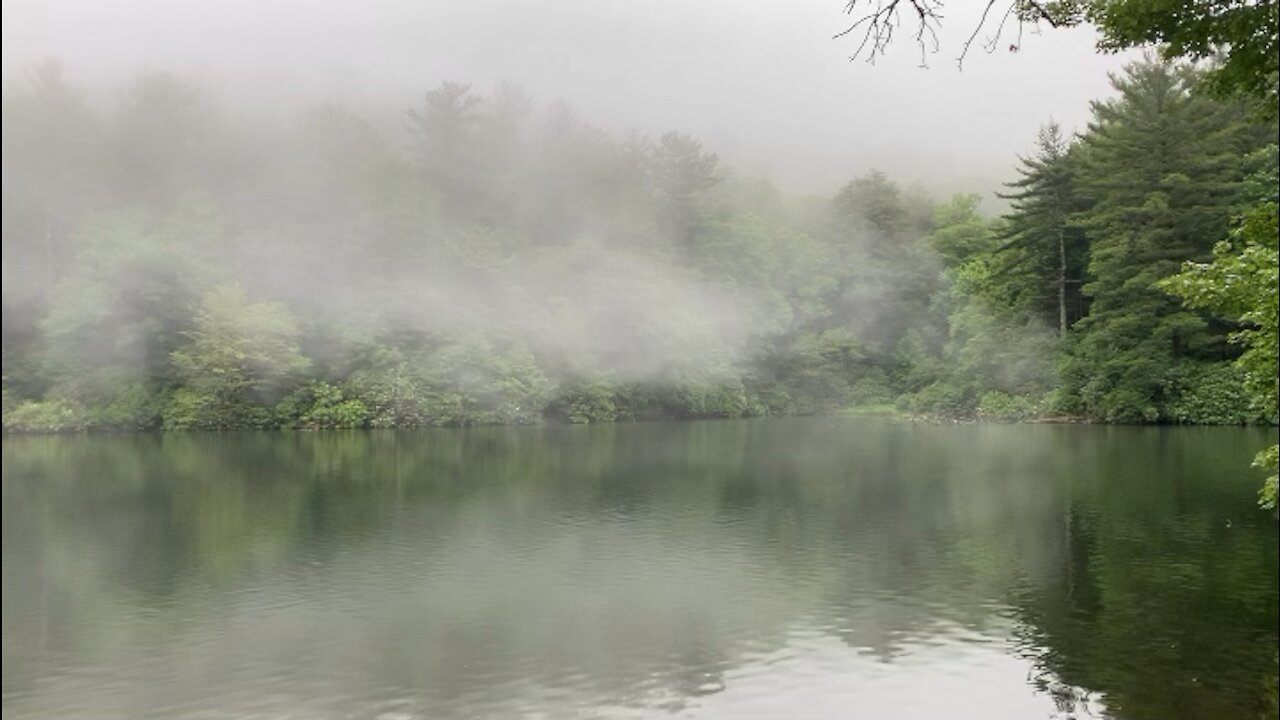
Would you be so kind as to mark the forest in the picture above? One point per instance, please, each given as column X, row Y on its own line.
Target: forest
column 493, row 259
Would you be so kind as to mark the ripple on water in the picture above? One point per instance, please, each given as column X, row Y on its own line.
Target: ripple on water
column 723, row 570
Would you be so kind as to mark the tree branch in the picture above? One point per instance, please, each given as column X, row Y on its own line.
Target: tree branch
column 878, row 19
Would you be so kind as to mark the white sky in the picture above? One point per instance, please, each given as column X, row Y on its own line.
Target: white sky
column 762, row 83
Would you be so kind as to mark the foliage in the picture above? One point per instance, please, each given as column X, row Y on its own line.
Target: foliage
column 504, row 264
column 116, row 400
column 42, row 416
column 715, row 399
column 1002, row 407
column 1268, row 459
column 1239, row 36
column 1163, row 165
column 485, row 384
column 1161, row 180
column 871, row 389
column 588, row 402
column 960, row 232
column 1042, row 250
column 239, row 357
column 1210, row 394
column 1240, row 283
column 940, row 398
column 393, row 391
column 321, row 406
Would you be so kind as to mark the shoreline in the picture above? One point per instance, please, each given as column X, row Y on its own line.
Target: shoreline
column 886, row 412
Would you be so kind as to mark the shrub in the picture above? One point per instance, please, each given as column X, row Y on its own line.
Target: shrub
column 723, row 400
column 589, row 402
column 132, row 406
column 940, row 398
column 1209, row 394
column 320, row 405
column 873, row 389
column 43, row 416
column 193, row 410
column 1002, row 407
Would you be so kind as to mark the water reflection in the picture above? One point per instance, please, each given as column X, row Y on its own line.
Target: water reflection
column 784, row 568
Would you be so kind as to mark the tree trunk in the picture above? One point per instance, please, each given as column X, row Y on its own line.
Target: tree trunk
column 1062, row 282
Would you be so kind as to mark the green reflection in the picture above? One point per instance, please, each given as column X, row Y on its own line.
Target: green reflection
column 492, row 571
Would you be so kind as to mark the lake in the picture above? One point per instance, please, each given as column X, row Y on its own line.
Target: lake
column 788, row 568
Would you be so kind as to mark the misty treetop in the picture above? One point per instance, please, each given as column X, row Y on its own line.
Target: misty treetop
column 486, row 258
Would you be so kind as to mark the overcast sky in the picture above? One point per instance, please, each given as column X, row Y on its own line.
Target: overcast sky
column 762, row 83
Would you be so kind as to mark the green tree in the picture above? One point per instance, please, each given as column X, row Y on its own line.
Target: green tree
column 960, row 232
column 52, row 143
column 1240, row 36
column 996, row 361
column 444, row 129
column 1163, row 165
column 1042, row 252
column 167, row 143
column 1240, row 284
column 240, row 357
column 886, row 272
column 125, row 299
column 682, row 173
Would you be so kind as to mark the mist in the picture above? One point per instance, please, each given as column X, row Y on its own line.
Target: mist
column 522, row 211
column 764, row 84
column 601, row 359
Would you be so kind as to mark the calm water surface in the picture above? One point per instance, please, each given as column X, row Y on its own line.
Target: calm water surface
column 807, row 568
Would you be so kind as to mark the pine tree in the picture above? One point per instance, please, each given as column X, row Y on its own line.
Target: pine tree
column 1042, row 254
column 445, row 131
column 1165, row 164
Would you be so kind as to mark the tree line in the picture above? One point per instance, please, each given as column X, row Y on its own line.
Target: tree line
column 490, row 260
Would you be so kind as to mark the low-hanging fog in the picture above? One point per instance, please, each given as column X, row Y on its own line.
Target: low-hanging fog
column 501, row 197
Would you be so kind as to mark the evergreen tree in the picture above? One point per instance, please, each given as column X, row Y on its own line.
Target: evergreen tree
column 445, row 131
column 1042, row 254
column 682, row 173
column 1164, row 164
